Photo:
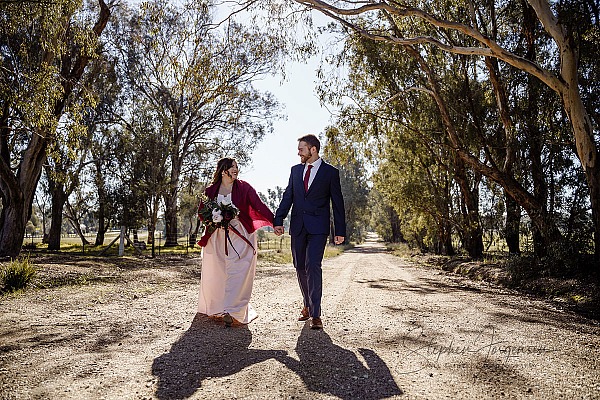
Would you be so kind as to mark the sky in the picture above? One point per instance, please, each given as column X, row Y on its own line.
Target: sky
column 277, row 152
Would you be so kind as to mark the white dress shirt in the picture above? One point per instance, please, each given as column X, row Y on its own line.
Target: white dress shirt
column 313, row 172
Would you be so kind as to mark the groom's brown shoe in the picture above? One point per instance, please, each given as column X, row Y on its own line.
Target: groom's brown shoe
column 304, row 314
column 316, row 323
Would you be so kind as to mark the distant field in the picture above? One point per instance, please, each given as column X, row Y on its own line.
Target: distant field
column 270, row 248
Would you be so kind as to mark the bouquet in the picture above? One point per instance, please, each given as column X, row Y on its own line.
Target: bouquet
column 215, row 215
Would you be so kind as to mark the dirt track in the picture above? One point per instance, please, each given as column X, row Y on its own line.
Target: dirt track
column 392, row 329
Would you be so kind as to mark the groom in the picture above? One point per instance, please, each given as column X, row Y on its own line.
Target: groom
column 312, row 186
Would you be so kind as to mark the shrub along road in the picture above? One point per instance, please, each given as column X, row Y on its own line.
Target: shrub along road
column 393, row 329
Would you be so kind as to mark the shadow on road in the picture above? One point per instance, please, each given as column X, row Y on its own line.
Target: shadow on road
column 367, row 250
column 328, row 368
column 206, row 350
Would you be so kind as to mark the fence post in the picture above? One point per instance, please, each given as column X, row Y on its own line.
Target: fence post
column 122, row 242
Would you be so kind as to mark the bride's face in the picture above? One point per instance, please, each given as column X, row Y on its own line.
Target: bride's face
column 232, row 172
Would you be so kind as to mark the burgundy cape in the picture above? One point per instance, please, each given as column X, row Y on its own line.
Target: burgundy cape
column 253, row 214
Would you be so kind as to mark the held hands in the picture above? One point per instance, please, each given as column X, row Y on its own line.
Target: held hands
column 279, row 231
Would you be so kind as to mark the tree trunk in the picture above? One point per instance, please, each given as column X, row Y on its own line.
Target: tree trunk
column 471, row 226
column 589, row 156
column 151, row 229
column 513, row 223
column 171, row 203
column 171, row 219
column 445, row 239
column 395, row 226
column 534, row 209
column 532, row 132
column 594, row 182
column 59, row 198
column 444, row 226
column 540, row 187
column 102, row 201
column 100, row 235
column 102, row 225
column 18, row 191
column 12, row 227
column 55, row 231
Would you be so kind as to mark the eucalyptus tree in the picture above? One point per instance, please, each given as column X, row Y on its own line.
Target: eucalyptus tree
column 45, row 48
column 459, row 28
column 273, row 197
column 67, row 168
column 384, row 219
column 104, row 124
column 78, row 211
column 413, row 177
column 64, row 171
column 43, row 203
column 198, row 79
column 345, row 154
column 409, row 126
column 139, row 177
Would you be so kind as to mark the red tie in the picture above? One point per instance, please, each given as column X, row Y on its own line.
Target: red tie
column 306, row 176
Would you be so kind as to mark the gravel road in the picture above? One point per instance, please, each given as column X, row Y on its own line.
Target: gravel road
column 393, row 329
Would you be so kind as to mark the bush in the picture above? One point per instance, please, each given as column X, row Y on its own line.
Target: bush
column 17, row 274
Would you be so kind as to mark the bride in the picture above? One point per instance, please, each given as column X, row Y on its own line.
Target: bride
column 229, row 262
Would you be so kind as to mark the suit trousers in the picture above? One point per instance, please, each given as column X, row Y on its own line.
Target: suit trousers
column 307, row 252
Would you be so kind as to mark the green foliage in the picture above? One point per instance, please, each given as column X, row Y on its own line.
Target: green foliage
column 17, row 274
column 34, row 40
column 436, row 195
column 341, row 150
column 46, row 48
column 273, row 197
column 399, row 249
column 191, row 84
column 384, row 219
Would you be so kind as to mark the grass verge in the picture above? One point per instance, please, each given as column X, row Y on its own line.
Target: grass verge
column 17, row 274
column 577, row 289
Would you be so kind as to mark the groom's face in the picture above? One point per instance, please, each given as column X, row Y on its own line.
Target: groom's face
column 304, row 151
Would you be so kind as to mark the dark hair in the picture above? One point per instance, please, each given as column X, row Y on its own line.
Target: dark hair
column 222, row 165
column 311, row 140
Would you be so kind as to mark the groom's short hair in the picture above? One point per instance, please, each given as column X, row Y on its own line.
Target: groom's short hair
column 311, row 140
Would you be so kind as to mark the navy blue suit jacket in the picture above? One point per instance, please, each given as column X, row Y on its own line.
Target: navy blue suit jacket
column 311, row 209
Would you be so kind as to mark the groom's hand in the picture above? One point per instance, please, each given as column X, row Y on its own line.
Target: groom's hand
column 278, row 230
column 338, row 239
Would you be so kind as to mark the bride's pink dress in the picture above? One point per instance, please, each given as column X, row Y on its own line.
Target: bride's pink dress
column 227, row 280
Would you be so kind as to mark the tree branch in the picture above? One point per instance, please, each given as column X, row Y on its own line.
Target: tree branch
column 491, row 49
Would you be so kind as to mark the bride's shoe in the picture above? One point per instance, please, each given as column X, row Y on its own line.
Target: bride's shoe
column 228, row 319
